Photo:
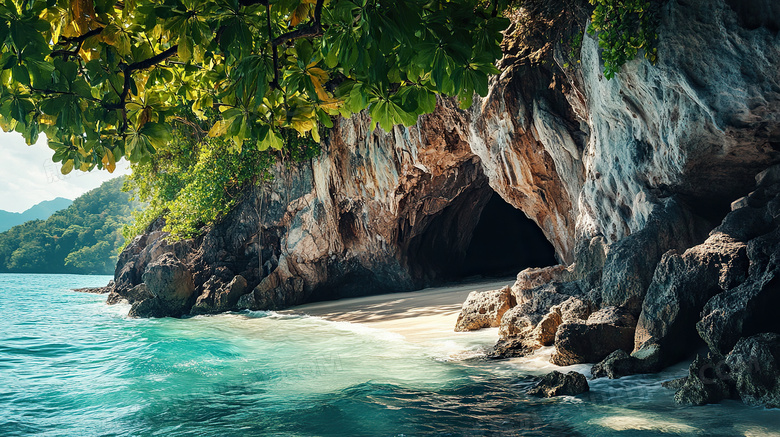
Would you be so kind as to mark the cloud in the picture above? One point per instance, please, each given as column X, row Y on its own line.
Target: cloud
column 28, row 175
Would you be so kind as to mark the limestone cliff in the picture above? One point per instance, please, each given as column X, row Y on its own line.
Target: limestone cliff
column 616, row 173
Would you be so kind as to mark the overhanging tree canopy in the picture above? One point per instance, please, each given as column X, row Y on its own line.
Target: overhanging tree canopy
column 105, row 79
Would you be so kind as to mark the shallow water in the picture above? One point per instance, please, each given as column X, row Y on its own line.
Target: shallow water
column 71, row 365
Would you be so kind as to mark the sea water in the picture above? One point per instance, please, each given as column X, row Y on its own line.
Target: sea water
column 72, row 366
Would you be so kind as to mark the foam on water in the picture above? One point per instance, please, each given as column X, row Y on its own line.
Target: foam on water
column 70, row 365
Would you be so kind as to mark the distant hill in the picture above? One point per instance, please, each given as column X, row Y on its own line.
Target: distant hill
column 82, row 238
column 41, row 211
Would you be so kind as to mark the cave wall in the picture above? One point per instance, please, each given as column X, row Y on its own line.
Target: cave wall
column 659, row 150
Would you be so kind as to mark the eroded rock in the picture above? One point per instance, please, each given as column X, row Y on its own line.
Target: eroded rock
column 218, row 297
column 754, row 366
column 708, row 382
column 558, row 384
column 604, row 332
column 169, row 282
column 484, row 309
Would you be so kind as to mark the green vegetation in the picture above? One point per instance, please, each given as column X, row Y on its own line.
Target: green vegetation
column 83, row 238
column 624, row 28
column 105, row 79
column 201, row 181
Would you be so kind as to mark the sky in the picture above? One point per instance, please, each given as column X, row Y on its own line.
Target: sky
column 28, row 175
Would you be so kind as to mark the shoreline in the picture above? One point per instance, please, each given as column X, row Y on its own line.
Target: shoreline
column 419, row 316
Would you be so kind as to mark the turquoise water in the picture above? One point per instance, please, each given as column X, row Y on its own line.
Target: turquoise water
column 72, row 366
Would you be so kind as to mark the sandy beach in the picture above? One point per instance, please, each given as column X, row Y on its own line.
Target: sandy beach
column 421, row 315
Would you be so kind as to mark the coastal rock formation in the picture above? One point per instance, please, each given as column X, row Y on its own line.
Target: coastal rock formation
column 484, row 309
column 168, row 289
column 558, row 384
column 754, row 365
column 605, row 331
column 626, row 178
column 708, row 382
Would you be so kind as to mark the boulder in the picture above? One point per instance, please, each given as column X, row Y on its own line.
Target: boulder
column 708, row 382
column 619, row 364
column 745, row 310
column 754, row 364
column 682, row 284
column 511, row 348
column 218, row 297
column 170, row 284
column 533, row 277
column 484, row 309
column 604, row 332
column 558, row 384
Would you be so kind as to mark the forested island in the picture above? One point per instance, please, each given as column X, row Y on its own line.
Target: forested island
column 85, row 237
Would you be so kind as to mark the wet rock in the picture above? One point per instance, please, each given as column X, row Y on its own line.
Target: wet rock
column 605, row 331
column 619, row 364
column 754, row 366
column 558, row 384
column 218, row 297
column 484, row 309
column 708, row 382
column 97, row 290
column 534, row 323
column 510, row 348
column 674, row 384
column 169, row 281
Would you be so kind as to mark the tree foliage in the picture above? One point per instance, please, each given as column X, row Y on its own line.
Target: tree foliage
column 83, row 238
column 106, row 79
column 625, row 27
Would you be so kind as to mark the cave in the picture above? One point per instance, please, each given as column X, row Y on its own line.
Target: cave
column 505, row 242
column 478, row 235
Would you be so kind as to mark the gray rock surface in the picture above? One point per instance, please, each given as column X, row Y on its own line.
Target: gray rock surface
column 558, row 384
column 754, row 366
column 708, row 382
column 605, row 331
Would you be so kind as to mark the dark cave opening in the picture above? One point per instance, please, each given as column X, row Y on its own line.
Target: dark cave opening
column 478, row 234
column 505, row 242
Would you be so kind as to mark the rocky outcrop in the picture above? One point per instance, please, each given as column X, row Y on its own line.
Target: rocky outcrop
column 534, row 322
column 681, row 286
column 605, row 331
column 754, row 367
column 708, row 382
column 558, row 384
column 217, row 297
column 484, row 309
column 167, row 289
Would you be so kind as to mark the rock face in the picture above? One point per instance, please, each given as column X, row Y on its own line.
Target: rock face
column 167, row 289
column 557, row 384
column 484, row 309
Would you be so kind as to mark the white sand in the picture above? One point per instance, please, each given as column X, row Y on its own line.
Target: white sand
column 420, row 316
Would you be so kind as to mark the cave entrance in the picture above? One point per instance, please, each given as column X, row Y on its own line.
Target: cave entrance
column 505, row 242
column 478, row 234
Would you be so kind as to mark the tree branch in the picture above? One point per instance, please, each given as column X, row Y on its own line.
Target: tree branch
column 314, row 28
column 135, row 66
column 275, row 52
column 78, row 39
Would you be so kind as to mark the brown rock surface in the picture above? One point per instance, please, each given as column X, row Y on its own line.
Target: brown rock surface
column 484, row 309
